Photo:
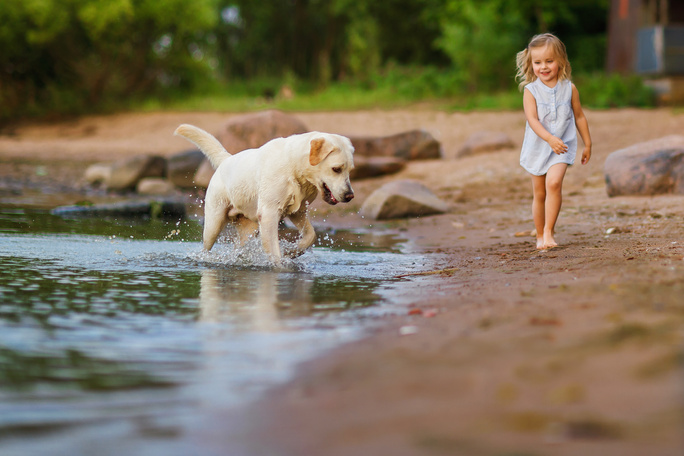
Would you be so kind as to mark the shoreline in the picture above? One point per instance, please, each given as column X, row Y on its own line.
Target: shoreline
column 574, row 350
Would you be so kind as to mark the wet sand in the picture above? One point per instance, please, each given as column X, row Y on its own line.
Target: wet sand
column 575, row 350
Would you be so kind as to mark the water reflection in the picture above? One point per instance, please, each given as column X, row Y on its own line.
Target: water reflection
column 247, row 297
column 259, row 300
column 107, row 337
column 40, row 221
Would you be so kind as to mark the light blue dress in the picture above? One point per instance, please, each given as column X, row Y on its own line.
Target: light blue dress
column 554, row 110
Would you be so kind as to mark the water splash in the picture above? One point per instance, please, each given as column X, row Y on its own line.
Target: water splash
column 227, row 253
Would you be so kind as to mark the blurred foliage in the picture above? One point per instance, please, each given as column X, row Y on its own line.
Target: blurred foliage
column 68, row 56
column 324, row 40
column 72, row 369
column 483, row 59
column 614, row 91
column 392, row 88
column 74, row 56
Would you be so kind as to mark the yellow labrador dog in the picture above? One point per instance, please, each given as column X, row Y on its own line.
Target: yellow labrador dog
column 257, row 188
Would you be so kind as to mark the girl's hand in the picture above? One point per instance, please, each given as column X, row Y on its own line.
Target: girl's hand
column 586, row 155
column 557, row 145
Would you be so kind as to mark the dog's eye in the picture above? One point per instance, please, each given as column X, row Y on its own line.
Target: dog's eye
column 337, row 169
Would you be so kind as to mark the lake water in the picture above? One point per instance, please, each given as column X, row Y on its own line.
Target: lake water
column 117, row 336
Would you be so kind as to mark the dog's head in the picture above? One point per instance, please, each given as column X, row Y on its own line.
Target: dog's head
column 332, row 158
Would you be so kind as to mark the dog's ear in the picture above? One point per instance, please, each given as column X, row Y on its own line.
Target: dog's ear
column 320, row 148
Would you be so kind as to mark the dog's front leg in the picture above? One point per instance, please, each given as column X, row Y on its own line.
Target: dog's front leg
column 307, row 235
column 268, row 227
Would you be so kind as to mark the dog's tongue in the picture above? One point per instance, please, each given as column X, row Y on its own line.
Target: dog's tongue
column 334, row 200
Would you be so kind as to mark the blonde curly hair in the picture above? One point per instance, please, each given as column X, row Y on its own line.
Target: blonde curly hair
column 523, row 59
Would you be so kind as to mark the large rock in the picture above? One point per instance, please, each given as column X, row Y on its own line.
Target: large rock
column 365, row 167
column 410, row 145
column 483, row 142
column 250, row 131
column 204, row 174
column 181, row 168
column 648, row 168
column 125, row 174
column 402, row 199
column 155, row 186
column 98, row 173
column 254, row 130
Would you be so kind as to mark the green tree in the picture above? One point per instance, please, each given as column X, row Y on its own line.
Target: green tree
column 307, row 38
column 324, row 40
column 481, row 38
column 69, row 55
column 72, row 56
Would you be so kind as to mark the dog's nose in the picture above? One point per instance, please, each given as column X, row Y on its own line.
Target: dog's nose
column 348, row 196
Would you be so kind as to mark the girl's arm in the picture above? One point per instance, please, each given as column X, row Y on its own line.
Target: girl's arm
column 582, row 125
column 530, row 106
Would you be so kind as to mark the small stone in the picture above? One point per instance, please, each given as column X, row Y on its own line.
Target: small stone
column 155, row 186
column 408, row 330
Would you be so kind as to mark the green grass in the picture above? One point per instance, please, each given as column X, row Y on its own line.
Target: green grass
column 398, row 88
column 334, row 98
column 338, row 97
column 393, row 88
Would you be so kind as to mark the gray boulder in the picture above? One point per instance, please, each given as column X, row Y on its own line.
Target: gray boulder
column 402, row 199
column 648, row 168
column 155, row 186
column 181, row 168
column 98, row 173
column 204, row 174
column 410, row 145
column 483, row 142
column 125, row 174
column 256, row 129
column 365, row 167
column 250, row 131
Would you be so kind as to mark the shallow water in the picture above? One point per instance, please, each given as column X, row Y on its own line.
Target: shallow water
column 116, row 336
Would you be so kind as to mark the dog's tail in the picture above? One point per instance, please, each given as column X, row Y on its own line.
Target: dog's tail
column 209, row 145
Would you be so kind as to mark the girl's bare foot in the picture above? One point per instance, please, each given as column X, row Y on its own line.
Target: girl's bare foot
column 540, row 243
column 549, row 241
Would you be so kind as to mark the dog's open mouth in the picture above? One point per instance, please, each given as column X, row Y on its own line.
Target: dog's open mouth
column 328, row 196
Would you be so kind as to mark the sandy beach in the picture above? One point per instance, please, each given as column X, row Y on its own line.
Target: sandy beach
column 576, row 350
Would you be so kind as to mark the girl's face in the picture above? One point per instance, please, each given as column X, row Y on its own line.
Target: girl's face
column 545, row 64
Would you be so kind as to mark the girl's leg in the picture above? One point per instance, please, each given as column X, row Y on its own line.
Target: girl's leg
column 538, row 210
column 554, row 199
